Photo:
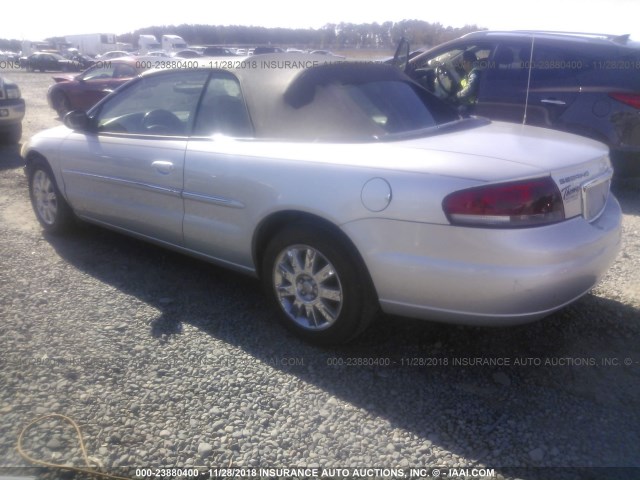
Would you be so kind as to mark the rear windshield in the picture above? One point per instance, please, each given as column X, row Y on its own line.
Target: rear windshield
column 361, row 111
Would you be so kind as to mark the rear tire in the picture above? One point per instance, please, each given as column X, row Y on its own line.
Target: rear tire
column 51, row 209
column 15, row 134
column 12, row 135
column 320, row 288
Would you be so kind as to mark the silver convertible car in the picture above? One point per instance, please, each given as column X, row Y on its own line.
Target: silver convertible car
column 345, row 187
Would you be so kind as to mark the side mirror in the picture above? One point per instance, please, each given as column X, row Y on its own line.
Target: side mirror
column 401, row 57
column 78, row 120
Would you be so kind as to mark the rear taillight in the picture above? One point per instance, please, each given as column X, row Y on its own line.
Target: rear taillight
column 631, row 99
column 516, row 204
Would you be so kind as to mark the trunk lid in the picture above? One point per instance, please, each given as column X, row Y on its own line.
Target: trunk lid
column 580, row 167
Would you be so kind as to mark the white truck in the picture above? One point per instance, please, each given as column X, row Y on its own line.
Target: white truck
column 173, row 43
column 148, row 43
column 93, row 43
column 29, row 47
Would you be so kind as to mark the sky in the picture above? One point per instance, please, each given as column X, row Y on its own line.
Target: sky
column 122, row 16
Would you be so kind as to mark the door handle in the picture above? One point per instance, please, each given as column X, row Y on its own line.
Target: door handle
column 553, row 101
column 163, row 167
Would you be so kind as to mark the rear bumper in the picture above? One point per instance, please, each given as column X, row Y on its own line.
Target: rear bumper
column 485, row 276
column 11, row 112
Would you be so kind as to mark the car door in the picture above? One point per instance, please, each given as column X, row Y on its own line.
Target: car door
column 41, row 62
column 502, row 93
column 554, row 85
column 531, row 86
column 51, row 63
column 128, row 174
column 216, row 194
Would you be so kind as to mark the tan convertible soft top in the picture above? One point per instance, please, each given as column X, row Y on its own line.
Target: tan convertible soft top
column 277, row 87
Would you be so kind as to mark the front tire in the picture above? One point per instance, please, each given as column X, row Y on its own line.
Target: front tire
column 318, row 285
column 51, row 209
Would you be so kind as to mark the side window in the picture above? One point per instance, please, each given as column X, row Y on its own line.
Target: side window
column 454, row 59
column 98, row 73
column 454, row 70
column 549, row 63
column 223, row 109
column 510, row 57
column 162, row 104
column 503, row 88
column 123, row 70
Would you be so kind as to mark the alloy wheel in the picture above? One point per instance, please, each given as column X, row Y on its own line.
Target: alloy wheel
column 308, row 287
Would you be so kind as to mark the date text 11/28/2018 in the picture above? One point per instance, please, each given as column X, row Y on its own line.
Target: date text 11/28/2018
column 389, row 473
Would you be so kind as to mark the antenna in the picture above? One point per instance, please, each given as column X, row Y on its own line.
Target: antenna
column 526, row 101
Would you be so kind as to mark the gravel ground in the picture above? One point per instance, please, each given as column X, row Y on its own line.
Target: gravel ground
column 165, row 361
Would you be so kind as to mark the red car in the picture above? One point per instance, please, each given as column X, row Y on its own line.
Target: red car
column 81, row 92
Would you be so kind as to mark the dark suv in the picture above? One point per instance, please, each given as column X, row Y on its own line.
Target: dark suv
column 11, row 111
column 587, row 84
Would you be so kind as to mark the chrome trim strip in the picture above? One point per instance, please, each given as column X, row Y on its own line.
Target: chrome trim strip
column 175, row 192
column 222, row 201
column 553, row 101
column 198, row 197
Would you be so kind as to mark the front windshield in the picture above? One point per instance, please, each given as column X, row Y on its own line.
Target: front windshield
column 445, row 59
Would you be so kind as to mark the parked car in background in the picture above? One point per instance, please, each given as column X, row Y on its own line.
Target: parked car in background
column 82, row 61
column 214, row 51
column 9, row 56
column 12, row 111
column 81, row 92
column 326, row 52
column 357, row 190
column 113, row 54
column 263, row 50
column 46, row 61
column 158, row 53
column 187, row 54
column 587, row 84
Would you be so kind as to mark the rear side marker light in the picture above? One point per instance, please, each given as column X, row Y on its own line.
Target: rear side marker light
column 506, row 205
